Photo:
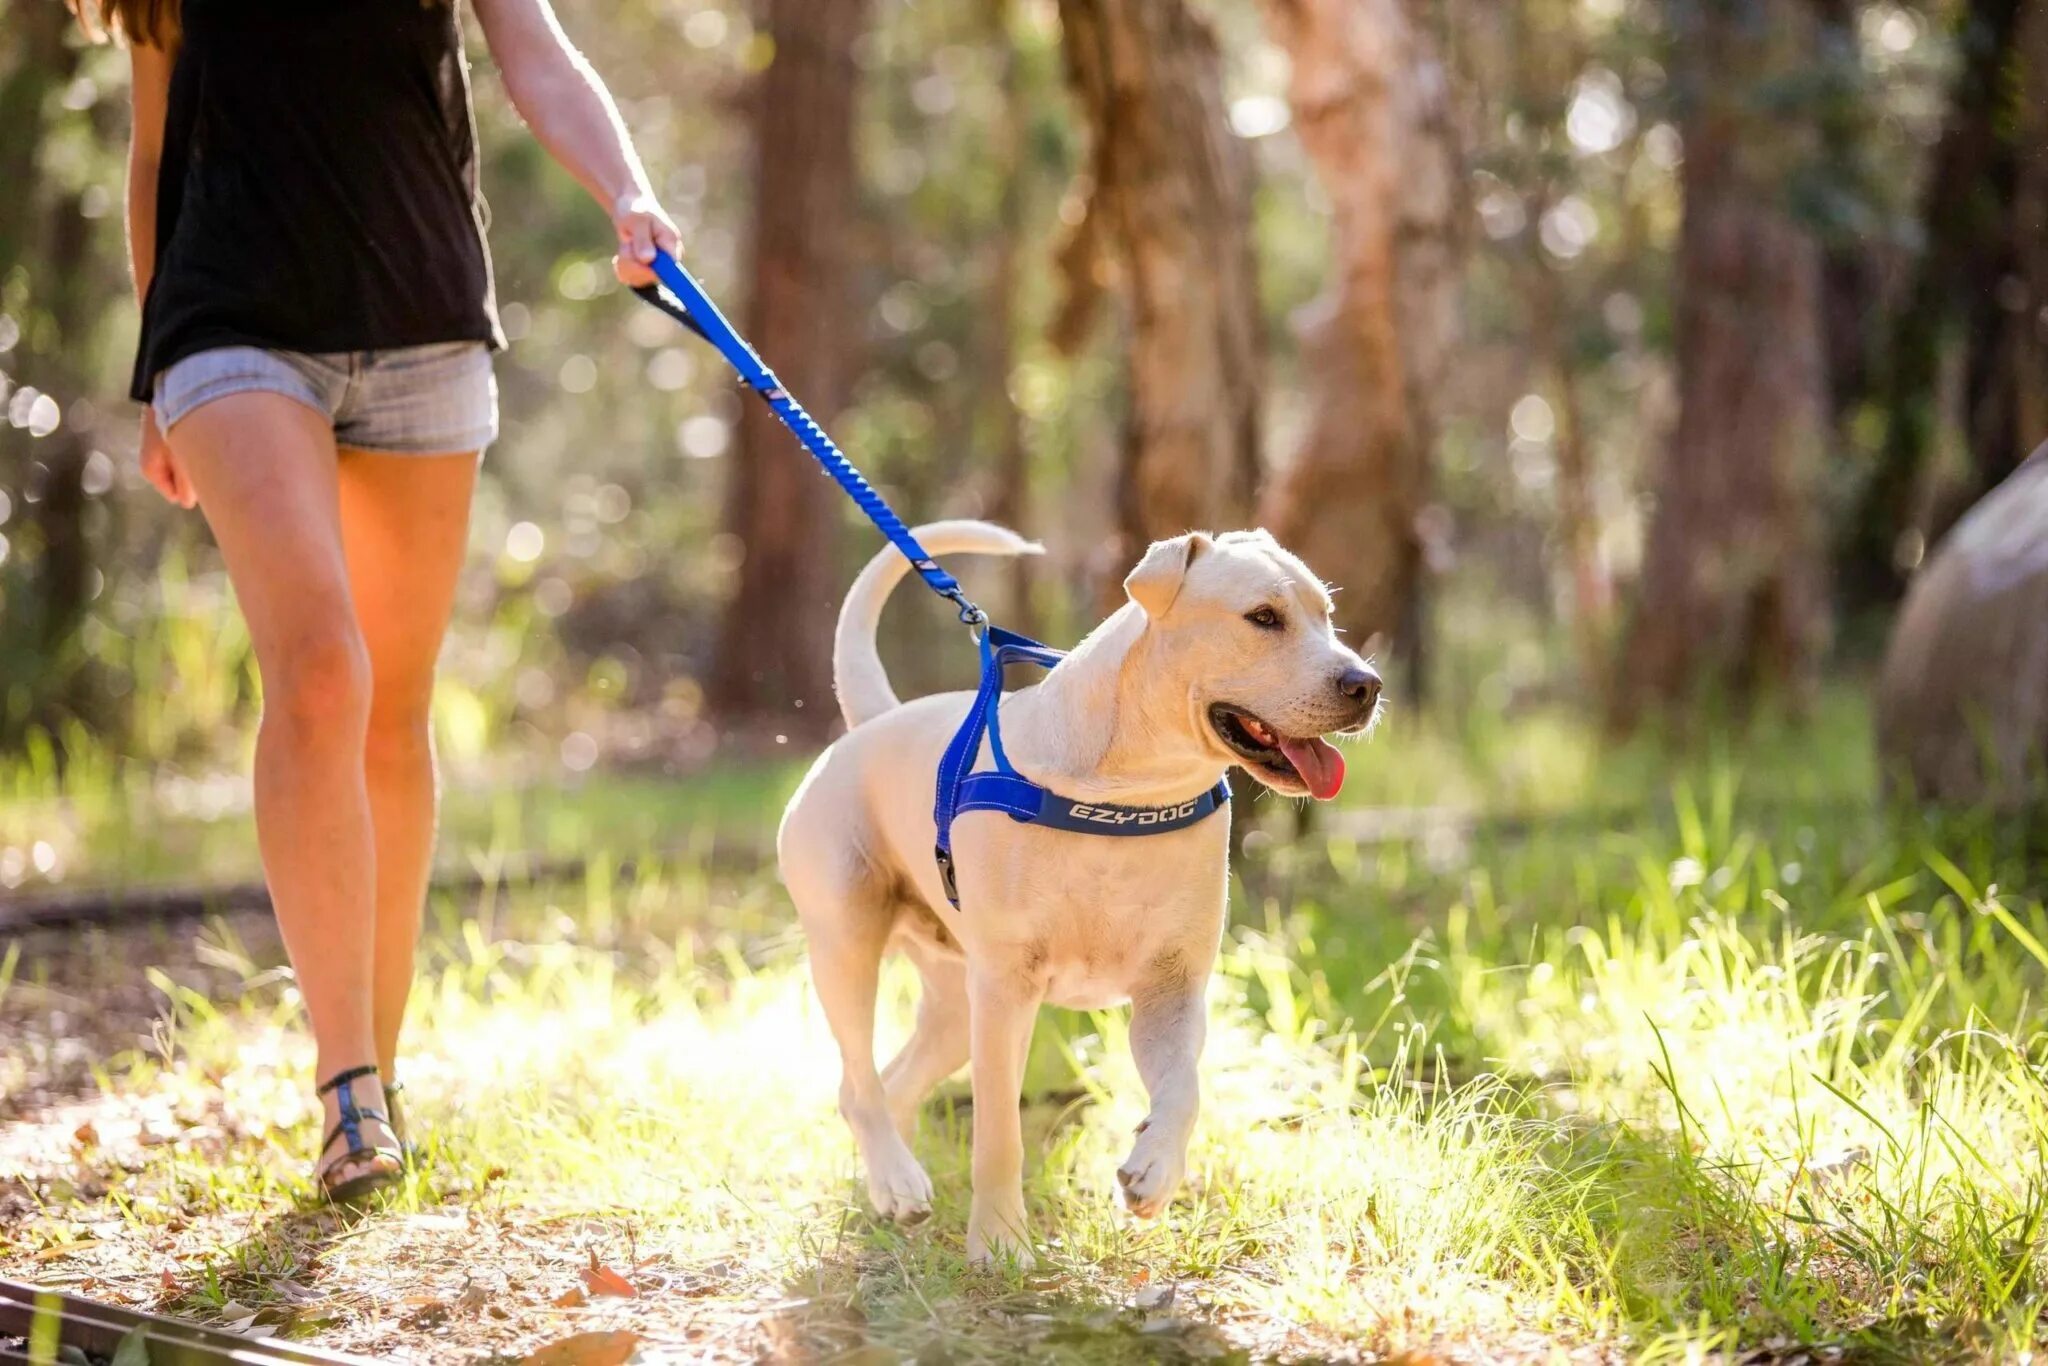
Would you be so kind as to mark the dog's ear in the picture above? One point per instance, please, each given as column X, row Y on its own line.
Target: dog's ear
column 1155, row 583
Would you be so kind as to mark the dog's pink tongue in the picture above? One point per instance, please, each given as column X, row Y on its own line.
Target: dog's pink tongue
column 1318, row 763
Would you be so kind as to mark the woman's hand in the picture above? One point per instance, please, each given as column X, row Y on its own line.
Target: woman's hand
column 160, row 467
column 642, row 226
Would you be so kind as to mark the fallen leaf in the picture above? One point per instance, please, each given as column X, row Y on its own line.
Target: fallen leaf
column 236, row 1318
column 438, row 1223
column 472, row 1299
column 291, row 1292
column 572, row 1298
column 51, row 1254
column 600, row 1279
column 1166, row 1323
column 169, row 1282
column 1823, row 1172
column 585, row 1349
column 88, row 1137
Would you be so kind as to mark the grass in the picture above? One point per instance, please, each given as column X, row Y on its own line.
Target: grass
column 1731, row 1066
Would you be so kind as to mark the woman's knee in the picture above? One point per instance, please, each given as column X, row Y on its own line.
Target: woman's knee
column 401, row 711
column 318, row 681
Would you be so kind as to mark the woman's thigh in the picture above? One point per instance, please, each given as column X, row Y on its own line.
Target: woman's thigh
column 405, row 532
column 263, row 466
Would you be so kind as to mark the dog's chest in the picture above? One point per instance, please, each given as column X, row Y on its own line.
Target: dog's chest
column 1095, row 972
column 1104, row 917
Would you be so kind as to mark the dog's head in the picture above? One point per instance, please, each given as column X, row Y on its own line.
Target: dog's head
column 1244, row 630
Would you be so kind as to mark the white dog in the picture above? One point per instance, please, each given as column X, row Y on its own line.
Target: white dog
column 1223, row 655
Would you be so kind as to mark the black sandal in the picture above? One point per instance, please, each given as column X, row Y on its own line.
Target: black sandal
column 349, row 1127
column 394, row 1103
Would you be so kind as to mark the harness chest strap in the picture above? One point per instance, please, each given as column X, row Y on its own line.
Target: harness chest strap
column 1016, row 796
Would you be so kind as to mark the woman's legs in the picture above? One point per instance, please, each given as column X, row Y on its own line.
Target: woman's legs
column 264, row 467
column 404, row 530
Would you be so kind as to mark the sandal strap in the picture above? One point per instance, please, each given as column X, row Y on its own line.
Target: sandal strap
column 327, row 1175
column 340, row 1079
column 346, row 1124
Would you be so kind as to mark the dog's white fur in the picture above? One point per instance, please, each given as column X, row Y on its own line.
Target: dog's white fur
column 1074, row 919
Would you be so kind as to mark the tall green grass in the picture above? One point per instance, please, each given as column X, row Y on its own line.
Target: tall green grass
column 1657, row 1090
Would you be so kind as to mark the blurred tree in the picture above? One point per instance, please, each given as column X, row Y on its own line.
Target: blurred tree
column 1852, row 296
column 1167, row 216
column 1552, row 50
column 1967, row 211
column 2005, row 412
column 774, row 651
column 1010, row 503
column 1370, row 102
column 53, row 294
column 1731, row 598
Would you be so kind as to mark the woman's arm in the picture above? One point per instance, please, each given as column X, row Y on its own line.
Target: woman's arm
column 149, row 88
column 566, row 104
column 149, row 85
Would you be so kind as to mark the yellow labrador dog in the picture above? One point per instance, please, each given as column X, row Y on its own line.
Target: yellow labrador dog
column 1224, row 654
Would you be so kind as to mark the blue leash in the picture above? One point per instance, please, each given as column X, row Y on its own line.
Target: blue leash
column 689, row 305
column 959, row 788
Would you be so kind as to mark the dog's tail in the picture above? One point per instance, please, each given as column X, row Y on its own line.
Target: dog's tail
column 857, row 673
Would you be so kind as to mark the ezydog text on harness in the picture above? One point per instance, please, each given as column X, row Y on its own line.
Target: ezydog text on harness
column 959, row 788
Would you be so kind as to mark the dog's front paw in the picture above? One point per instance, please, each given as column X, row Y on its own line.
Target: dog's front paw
column 993, row 1244
column 900, row 1189
column 1151, row 1174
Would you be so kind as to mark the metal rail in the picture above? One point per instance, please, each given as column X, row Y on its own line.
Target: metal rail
column 36, row 1326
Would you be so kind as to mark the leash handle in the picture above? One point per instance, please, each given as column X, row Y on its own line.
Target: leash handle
column 689, row 305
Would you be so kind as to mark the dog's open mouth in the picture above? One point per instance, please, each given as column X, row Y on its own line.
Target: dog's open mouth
column 1308, row 763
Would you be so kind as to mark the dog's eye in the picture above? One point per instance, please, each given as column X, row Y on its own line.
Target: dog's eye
column 1265, row 618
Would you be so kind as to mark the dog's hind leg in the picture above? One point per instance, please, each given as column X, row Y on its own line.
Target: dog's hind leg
column 847, row 923
column 1003, row 1007
column 938, row 1046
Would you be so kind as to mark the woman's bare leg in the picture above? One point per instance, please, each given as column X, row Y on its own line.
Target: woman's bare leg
column 264, row 469
column 404, row 529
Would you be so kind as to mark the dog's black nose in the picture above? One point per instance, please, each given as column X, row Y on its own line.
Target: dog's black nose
column 1361, row 686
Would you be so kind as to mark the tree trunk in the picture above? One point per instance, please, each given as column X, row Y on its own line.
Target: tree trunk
column 42, row 228
column 1010, row 503
column 1852, row 263
column 1963, row 213
column 1169, row 208
column 775, row 640
column 1550, row 51
column 1731, row 598
column 1369, row 100
column 1578, row 516
column 2006, row 413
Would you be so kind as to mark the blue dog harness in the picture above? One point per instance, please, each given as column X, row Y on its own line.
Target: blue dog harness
column 1010, row 792
column 959, row 789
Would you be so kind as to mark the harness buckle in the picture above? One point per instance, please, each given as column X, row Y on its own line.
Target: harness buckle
column 943, row 856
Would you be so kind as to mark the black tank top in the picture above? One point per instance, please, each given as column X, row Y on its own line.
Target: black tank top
column 318, row 184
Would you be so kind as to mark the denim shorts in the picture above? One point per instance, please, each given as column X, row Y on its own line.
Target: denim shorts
column 411, row 400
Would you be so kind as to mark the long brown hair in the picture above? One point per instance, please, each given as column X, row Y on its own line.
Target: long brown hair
column 153, row 23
